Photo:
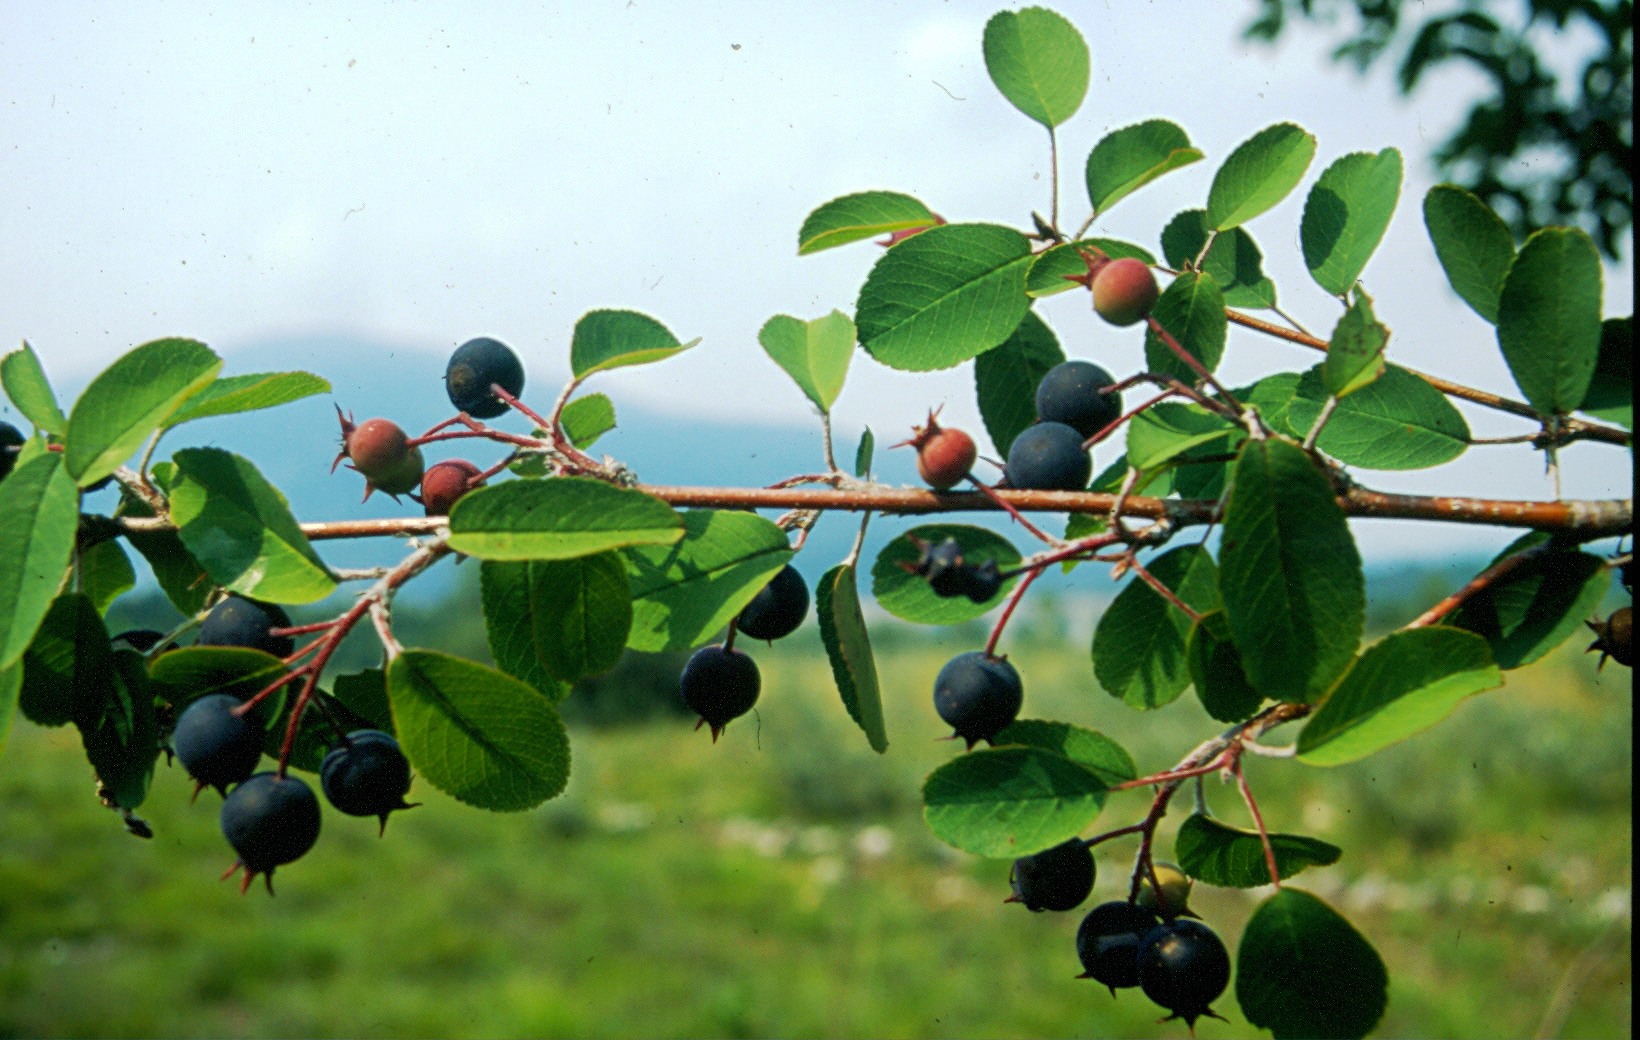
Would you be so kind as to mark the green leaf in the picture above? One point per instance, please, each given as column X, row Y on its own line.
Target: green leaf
column 1549, row 318
column 476, row 734
column 1010, row 801
column 1127, row 159
column 1230, row 857
column 1216, row 671
column 1192, row 309
column 1092, row 750
column 1165, row 430
column 240, row 529
column 848, row 648
column 122, row 747
column 908, row 596
column 180, row 576
column 1139, row 642
column 1050, row 270
column 39, row 513
column 180, row 677
column 25, row 383
column 1038, row 61
column 1289, row 573
column 863, row 454
column 1258, row 174
column 685, row 593
column 558, row 519
column 944, row 296
column 365, row 695
column 234, row 394
column 11, row 680
column 862, row 215
column 1399, row 422
column 1404, row 684
column 1355, row 355
column 1234, row 261
column 585, row 419
column 569, row 617
column 606, row 339
column 130, row 400
column 1346, row 214
column 1295, row 936
column 1611, row 392
column 1537, row 606
column 1005, row 379
column 68, row 670
column 1272, row 396
column 106, row 574
column 814, row 353
column 1473, row 244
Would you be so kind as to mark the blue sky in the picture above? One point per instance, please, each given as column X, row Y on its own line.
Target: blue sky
column 418, row 174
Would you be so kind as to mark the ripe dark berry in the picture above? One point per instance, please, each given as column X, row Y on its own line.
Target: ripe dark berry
column 1048, row 457
column 950, row 574
column 445, row 482
column 474, row 366
column 1124, row 291
column 944, row 455
column 1054, row 879
column 1107, row 942
column 778, row 608
column 1183, row 966
column 1175, row 891
column 11, row 442
column 719, row 685
column 978, row 695
column 215, row 746
column 270, row 820
column 381, row 451
column 1069, row 393
column 366, row 775
column 237, row 621
column 1614, row 637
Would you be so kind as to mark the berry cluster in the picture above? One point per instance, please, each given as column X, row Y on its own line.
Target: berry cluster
column 950, row 573
column 720, row 683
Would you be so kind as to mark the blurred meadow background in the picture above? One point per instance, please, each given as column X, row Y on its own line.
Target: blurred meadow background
column 782, row 882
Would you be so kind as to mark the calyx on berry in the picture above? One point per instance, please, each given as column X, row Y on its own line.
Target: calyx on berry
column 1184, row 967
column 1057, row 878
column 1614, row 637
column 366, row 775
column 382, row 453
column 1174, row 900
column 945, row 455
column 445, row 482
column 978, row 695
column 719, row 684
column 270, row 820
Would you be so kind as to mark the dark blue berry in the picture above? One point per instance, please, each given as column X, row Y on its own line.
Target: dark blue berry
column 1184, row 967
column 1048, row 457
column 719, row 685
column 778, row 608
column 1069, row 394
column 366, row 775
column 237, row 621
column 1054, row 879
column 474, row 366
column 270, row 820
column 217, row 747
column 978, row 695
column 11, row 441
column 1107, row 942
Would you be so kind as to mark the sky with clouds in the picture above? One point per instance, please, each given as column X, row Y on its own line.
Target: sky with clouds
column 413, row 175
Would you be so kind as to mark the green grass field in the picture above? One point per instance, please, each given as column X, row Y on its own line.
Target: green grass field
column 781, row 883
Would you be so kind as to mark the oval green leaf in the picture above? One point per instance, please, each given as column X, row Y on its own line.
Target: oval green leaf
column 123, row 746
column 1005, row 379
column 240, row 529
column 851, row 218
column 1038, row 61
column 1346, row 214
column 25, row 383
column 477, row 734
column 1230, row 857
column 1012, row 801
column 1355, row 354
column 571, row 617
column 68, row 670
column 1165, row 430
column 814, row 353
column 587, row 418
column 606, row 339
column 685, row 593
column 1611, row 392
column 944, row 296
column 106, row 574
column 1399, row 422
column 249, row 393
column 1295, row 936
column 1234, row 261
column 1139, row 642
column 182, row 676
column 848, row 648
column 1092, row 750
column 1192, row 309
column 1549, row 318
column 1289, row 573
column 908, row 596
column 1537, row 606
column 558, row 519
column 1258, row 174
column 39, row 513
column 1402, row 685
column 1129, row 158
column 1473, row 244
column 1216, row 671
column 131, row 399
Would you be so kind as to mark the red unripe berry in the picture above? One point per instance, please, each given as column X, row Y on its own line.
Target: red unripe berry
column 381, row 451
column 944, row 455
column 1124, row 291
column 445, row 482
